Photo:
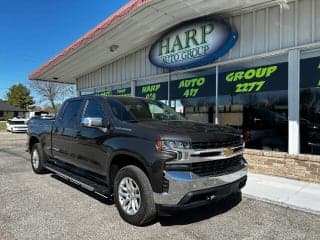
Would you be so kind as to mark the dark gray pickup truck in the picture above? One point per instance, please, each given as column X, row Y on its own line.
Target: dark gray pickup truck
column 140, row 152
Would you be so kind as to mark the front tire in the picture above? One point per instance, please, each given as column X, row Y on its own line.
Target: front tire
column 133, row 196
column 38, row 159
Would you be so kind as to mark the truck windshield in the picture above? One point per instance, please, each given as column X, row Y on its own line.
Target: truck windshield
column 137, row 109
column 15, row 122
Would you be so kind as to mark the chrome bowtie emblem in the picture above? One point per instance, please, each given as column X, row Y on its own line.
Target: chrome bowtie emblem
column 228, row 152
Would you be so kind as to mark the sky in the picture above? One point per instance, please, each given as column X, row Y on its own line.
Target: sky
column 33, row 31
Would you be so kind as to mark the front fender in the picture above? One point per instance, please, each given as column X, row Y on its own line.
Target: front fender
column 144, row 152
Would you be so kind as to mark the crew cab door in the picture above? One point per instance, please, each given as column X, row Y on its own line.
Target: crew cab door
column 65, row 130
column 92, row 155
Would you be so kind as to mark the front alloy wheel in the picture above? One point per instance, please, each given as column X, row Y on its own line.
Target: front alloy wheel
column 129, row 196
column 133, row 196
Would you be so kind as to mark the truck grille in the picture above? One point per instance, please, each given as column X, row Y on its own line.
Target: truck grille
column 165, row 185
column 217, row 167
column 206, row 145
column 209, row 168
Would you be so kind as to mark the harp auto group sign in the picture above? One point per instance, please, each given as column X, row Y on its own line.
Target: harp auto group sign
column 193, row 44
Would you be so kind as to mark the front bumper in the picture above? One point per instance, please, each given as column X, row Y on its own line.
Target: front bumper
column 15, row 129
column 185, row 190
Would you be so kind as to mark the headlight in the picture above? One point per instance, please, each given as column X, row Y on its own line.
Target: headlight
column 169, row 145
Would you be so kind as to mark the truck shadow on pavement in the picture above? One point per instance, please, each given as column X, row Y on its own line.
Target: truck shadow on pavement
column 170, row 218
column 190, row 216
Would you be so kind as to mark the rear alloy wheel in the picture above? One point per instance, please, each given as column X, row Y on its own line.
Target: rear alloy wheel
column 37, row 159
column 133, row 196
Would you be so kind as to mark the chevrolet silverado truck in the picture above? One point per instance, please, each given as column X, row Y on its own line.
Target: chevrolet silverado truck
column 140, row 152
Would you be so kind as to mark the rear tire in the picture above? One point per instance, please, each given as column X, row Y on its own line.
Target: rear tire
column 38, row 159
column 133, row 196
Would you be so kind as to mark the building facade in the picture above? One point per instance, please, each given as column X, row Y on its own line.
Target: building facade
column 266, row 83
column 9, row 111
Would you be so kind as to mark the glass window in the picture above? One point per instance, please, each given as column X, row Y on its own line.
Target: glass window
column 199, row 109
column 310, row 102
column 71, row 114
column 14, row 122
column 193, row 94
column 93, row 109
column 128, row 109
column 154, row 91
column 120, row 111
column 253, row 97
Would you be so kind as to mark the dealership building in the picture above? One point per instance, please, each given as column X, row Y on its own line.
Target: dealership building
column 250, row 64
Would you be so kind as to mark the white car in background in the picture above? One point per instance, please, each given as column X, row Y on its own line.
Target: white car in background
column 17, row 125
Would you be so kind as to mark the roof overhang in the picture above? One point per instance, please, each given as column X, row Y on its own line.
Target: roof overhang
column 133, row 26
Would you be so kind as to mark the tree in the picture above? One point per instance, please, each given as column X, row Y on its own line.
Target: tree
column 19, row 96
column 48, row 107
column 52, row 91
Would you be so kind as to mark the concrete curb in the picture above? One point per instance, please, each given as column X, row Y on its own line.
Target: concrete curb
column 282, row 204
column 289, row 193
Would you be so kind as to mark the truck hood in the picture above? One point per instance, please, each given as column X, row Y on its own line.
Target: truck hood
column 191, row 131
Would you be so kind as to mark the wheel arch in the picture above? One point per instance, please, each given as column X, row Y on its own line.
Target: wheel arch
column 33, row 140
column 122, row 159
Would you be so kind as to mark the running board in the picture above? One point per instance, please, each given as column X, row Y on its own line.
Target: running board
column 78, row 180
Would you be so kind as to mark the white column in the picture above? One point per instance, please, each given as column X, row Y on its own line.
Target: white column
column 133, row 88
column 217, row 96
column 169, row 81
column 294, row 102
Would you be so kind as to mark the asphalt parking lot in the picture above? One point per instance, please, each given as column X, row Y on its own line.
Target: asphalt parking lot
column 44, row 207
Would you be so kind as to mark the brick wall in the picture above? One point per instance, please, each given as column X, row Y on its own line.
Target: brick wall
column 301, row 167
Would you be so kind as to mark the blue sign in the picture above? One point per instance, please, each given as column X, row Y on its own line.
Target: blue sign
column 193, row 44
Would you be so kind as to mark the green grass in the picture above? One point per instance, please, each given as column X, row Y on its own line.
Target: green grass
column 3, row 126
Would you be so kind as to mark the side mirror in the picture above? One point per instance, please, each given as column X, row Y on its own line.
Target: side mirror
column 92, row 122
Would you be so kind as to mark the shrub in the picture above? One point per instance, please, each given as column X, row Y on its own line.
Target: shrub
column 3, row 126
column 7, row 117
